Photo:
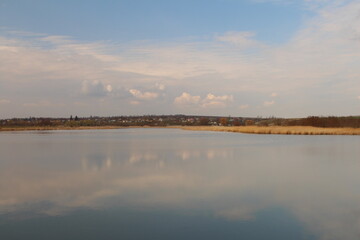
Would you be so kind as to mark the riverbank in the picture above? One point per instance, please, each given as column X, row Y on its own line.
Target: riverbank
column 49, row 128
column 290, row 130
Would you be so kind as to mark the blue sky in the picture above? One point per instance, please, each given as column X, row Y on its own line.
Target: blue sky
column 155, row 20
column 287, row 58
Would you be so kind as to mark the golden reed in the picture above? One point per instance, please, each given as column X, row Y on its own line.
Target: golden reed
column 294, row 130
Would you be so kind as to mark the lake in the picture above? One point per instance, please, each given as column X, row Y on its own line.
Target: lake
column 174, row 184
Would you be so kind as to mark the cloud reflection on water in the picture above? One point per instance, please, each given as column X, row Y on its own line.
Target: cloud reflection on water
column 232, row 175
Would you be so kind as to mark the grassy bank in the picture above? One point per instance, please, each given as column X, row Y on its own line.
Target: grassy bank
column 295, row 130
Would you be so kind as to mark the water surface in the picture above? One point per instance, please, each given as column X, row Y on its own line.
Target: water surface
column 174, row 184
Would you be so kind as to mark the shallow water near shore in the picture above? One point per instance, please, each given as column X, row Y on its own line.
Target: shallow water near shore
column 174, row 184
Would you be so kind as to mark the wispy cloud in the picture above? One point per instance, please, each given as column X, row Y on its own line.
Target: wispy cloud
column 143, row 95
column 244, row 106
column 269, row 103
column 217, row 101
column 4, row 101
column 320, row 57
column 42, row 103
column 239, row 39
column 186, row 99
column 209, row 101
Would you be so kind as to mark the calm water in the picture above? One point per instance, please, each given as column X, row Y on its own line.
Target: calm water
column 173, row 184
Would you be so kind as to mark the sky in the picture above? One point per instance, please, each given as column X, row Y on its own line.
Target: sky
column 282, row 58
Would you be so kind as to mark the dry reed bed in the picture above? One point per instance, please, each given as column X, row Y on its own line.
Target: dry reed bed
column 293, row 130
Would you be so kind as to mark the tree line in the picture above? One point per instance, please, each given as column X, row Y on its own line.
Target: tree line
column 315, row 121
column 168, row 120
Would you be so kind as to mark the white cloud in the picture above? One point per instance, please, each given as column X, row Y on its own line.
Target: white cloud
column 322, row 56
column 273, row 94
column 217, row 101
column 186, row 99
column 109, row 88
column 224, row 98
column 269, row 103
column 143, row 95
column 209, row 101
column 95, row 88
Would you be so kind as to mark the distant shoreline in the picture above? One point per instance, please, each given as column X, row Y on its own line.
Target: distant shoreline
column 284, row 130
column 49, row 128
